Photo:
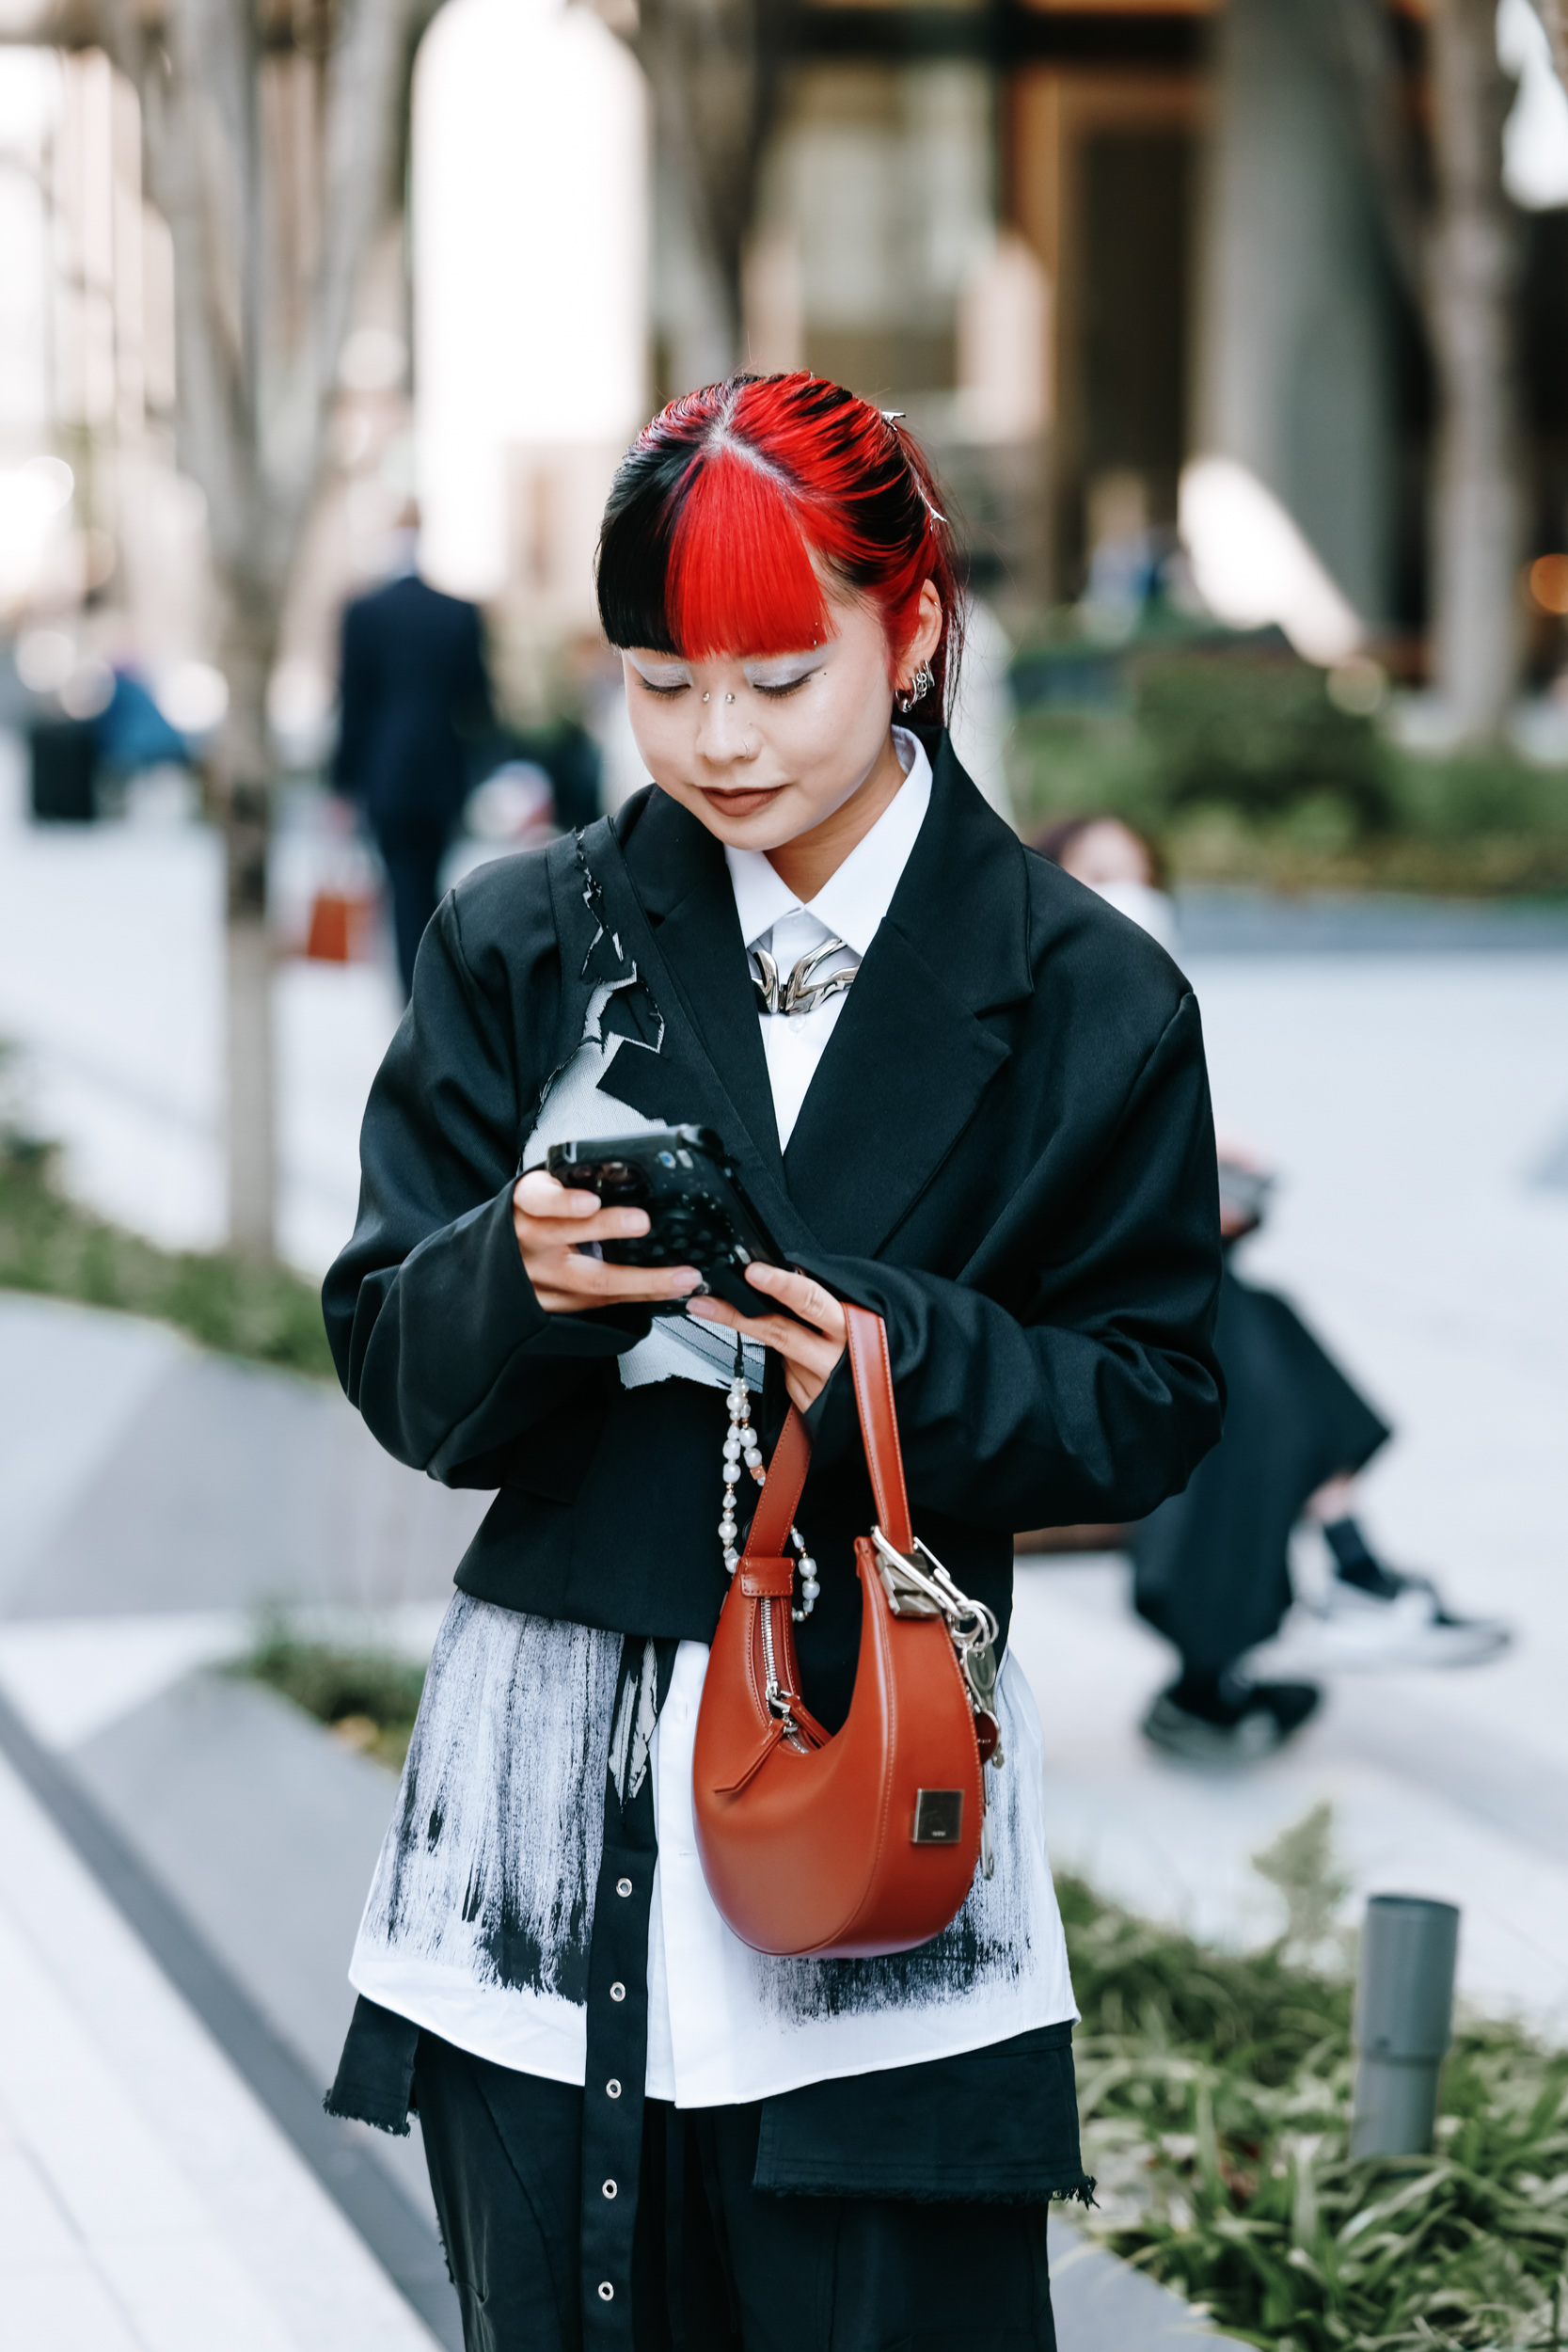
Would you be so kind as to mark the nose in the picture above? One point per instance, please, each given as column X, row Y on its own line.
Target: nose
column 721, row 732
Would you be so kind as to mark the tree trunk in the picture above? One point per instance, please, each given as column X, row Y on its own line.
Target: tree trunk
column 1476, row 517
column 713, row 69
column 245, row 800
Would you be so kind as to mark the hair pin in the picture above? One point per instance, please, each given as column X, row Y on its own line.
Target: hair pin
column 894, row 415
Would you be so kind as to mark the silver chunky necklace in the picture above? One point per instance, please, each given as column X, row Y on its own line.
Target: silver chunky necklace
column 801, row 991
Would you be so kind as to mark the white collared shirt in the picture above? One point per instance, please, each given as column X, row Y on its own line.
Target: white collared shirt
column 849, row 906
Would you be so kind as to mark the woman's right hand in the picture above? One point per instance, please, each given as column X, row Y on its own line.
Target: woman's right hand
column 552, row 1221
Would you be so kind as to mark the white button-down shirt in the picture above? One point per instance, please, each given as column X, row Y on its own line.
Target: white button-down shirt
column 849, row 907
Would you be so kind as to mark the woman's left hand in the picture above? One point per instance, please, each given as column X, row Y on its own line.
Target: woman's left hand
column 810, row 1348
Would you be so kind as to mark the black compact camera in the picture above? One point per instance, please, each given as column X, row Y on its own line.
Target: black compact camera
column 698, row 1212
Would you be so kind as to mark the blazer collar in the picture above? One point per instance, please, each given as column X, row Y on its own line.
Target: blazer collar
column 910, row 1056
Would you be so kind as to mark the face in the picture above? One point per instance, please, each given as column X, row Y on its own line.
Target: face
column 1107, row 852
column 763, row 749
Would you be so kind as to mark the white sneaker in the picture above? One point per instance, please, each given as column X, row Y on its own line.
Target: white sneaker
column 1351, row 1629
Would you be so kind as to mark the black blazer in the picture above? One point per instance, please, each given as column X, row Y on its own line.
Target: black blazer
column 414, row 695
column 1007, row 1151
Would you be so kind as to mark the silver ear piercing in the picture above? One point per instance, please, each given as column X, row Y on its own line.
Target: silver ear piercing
column 917, row 689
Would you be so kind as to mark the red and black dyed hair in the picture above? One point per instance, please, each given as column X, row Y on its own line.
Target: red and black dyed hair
column 719, row 505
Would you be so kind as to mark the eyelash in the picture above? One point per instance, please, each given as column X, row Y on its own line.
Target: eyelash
column 774, row 694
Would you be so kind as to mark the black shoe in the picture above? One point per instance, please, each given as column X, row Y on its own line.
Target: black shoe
column 1242, row 1724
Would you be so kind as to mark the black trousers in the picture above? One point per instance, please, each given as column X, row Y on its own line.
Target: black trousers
column 412, row 857
column 1211, row 1566
column 717, row 2265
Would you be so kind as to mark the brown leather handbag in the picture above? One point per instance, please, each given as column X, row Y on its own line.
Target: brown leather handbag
column 865, row 1841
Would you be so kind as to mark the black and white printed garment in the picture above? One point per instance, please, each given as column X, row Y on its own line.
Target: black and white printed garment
column 480, row 1915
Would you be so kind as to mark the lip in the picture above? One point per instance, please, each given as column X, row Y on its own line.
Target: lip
column 743, row 803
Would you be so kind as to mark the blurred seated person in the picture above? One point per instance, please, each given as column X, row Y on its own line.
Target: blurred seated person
column 415, row 706
column 1211, row 1566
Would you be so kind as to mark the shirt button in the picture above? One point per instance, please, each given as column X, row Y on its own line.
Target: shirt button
column 623, row 1886
column 612, row 2088
column 609, row 2188
column 617, row 1991
column 607, row 2293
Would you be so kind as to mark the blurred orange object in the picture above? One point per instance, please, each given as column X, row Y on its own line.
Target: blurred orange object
column 340, row 926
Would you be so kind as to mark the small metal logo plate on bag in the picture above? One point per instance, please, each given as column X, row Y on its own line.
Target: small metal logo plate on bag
column 939, row 1817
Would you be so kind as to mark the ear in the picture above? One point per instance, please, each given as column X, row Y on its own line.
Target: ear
column 924, row 640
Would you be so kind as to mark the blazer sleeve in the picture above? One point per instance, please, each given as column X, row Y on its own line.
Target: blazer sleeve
column 436, row 1333
column 1093, row 1393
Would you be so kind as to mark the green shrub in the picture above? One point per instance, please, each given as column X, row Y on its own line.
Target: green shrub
column 370, row 1697
column 1257, row 732
column 1215, row 2092
column 49, row 1245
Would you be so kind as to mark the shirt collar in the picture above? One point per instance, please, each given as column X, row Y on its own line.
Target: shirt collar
column 852, row 902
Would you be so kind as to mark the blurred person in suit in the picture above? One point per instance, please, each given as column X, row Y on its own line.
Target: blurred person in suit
column 415, row 701
column 1211, row 1566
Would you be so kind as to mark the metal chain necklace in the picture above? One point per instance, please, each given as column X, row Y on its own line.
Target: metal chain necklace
column 740, row 1446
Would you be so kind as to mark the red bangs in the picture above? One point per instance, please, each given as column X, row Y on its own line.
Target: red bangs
column 740, row 579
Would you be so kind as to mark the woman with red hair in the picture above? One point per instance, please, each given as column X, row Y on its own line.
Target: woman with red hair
column 961, row 1092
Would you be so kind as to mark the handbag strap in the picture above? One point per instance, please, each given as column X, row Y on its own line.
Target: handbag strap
column 871, row 1369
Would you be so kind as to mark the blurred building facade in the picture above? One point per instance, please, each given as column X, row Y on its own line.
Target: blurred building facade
column 1078, row 242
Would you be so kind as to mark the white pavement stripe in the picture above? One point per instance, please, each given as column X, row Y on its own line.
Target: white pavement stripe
column 194, row 2223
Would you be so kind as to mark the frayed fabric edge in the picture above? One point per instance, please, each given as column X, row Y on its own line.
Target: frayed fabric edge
column 348, row 2111
column 1079, row 2192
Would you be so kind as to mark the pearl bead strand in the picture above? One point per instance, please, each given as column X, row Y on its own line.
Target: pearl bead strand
column 741, row 1447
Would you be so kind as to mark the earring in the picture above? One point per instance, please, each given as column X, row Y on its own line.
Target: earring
column 917, row 689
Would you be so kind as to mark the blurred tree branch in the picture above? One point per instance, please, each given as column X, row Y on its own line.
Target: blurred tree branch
column 1554, row 15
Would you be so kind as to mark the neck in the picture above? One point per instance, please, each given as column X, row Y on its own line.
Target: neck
column 810, row 860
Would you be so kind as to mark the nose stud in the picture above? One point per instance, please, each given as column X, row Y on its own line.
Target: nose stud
column 705, row 698
column 729, row 698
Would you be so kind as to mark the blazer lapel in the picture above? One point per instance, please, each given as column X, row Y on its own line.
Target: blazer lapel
column 909, row 1058
column 670, row 899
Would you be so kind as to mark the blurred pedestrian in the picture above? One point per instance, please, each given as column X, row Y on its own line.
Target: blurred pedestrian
column 642, row 2131
column 1211, row 1566
column 416, row 708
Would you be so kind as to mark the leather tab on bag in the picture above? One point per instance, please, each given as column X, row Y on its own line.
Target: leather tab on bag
column 767, row 1578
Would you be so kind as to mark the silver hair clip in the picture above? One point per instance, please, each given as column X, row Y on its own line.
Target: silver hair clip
column 930, row 509
column 896, row 416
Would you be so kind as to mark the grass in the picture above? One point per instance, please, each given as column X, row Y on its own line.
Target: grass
column 369, row 1697
column 1215, row 2092
column 50, row 1246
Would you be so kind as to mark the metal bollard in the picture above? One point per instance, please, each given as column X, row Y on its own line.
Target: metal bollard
column 1403, row 2020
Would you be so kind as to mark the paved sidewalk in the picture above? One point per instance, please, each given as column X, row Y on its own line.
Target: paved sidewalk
column 147, row 2201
